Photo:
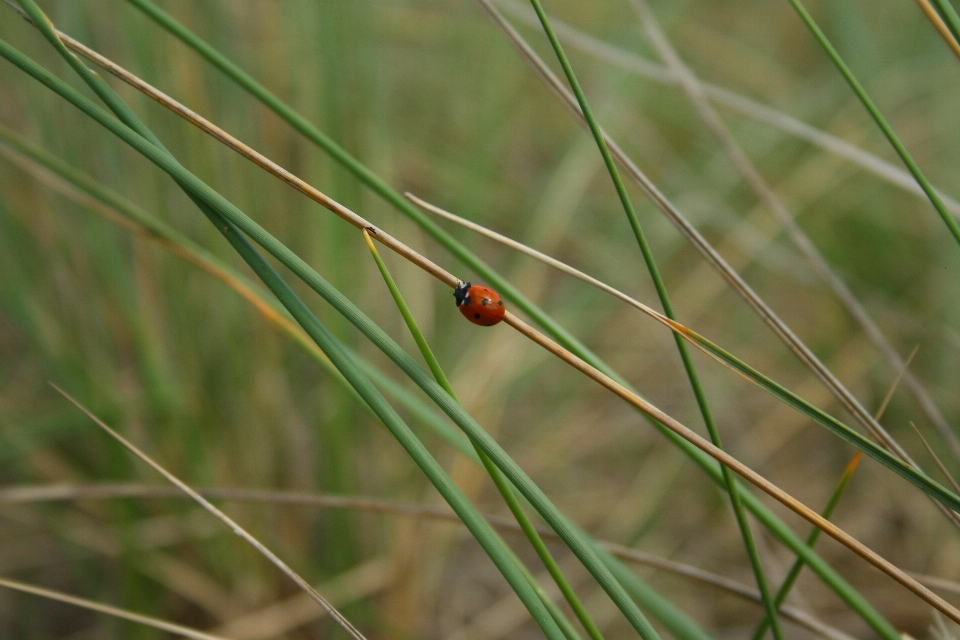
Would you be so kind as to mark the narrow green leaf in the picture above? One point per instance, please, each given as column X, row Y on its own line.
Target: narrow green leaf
column 647, row 597
column 950, row 17
column 798, row 564
column 650, row 261
column 502, row 484
column 874, row 112
column 232, row 215
column 212, row 206
column 193, row 252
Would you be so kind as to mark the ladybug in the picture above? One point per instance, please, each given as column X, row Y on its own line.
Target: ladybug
column 479, row 304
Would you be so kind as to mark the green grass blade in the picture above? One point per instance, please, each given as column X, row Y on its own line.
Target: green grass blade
column 798, row 564
column 648, row 598
column 846, row 592
column 190, row 250
column 874, row 112
column 950, row 17
column 650, row 261
column 502, row 484
column 482, row 531
column 914, row 476
column 373, row 182
column 672, row 618
column 553, row 516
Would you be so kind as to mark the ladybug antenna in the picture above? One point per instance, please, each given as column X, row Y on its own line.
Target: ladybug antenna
column 460, row 293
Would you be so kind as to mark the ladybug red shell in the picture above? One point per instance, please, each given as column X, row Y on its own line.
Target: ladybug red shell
column 479, row 304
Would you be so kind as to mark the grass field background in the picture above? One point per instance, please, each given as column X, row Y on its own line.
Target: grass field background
column 432, row 98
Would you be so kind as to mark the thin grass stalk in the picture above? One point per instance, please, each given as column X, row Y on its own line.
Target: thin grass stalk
column 665, row 611
column 651, row 263
column 803, row 353
column 116, row 612
column 721, row 96
column 936, row 19
column 693, row 87
column 499, row 480
column 936, row 458
column 236, row 528
column 392, row 350
column 950, row 15
column 832, row 502
column 484, row 534
column 105, row 491
column 717, row 353
column 798, row 564
column 883, row 628
column 367, row 177
column 120, row 210
column 584, row 551
column 874, row 112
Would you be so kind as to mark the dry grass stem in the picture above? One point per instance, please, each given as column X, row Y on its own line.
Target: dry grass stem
column 163, row 625
column 260, row 160
column 278, row 618
column 940, row 26
column 734, row 101
column 695, row 91
column 936, row 458
column 236, row 528
column 724, row 458
column 31, row 494
column 797, row 346
column 741, row 469
column 523, row 328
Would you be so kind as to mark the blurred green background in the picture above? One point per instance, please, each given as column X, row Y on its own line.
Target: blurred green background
column 431, row 97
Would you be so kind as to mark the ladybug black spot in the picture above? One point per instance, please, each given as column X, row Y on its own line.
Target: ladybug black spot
column 500, row 303
column 485, row 301
column 476, row 315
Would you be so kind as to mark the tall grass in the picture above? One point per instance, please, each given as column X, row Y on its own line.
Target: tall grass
column 430, row 98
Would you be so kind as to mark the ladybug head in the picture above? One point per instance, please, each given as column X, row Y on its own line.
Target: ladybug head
column 460, row 293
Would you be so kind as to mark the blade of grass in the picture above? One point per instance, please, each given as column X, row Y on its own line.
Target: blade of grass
column 365, row 175
column 648, row 258
column 529, row 489
column 117, row 208
column 950, row 15
column 371, row 180
column 672, row 618
column 162, row 625
column 694, row 90
column 722, row 96
column 105, row 491
column 874, row 112
column 832, row 503
column 209, row 206
column 501, row 482
column 217, row 206
column 936, row 458
column 236, row 528
column 936, row 20
column 803, row 353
